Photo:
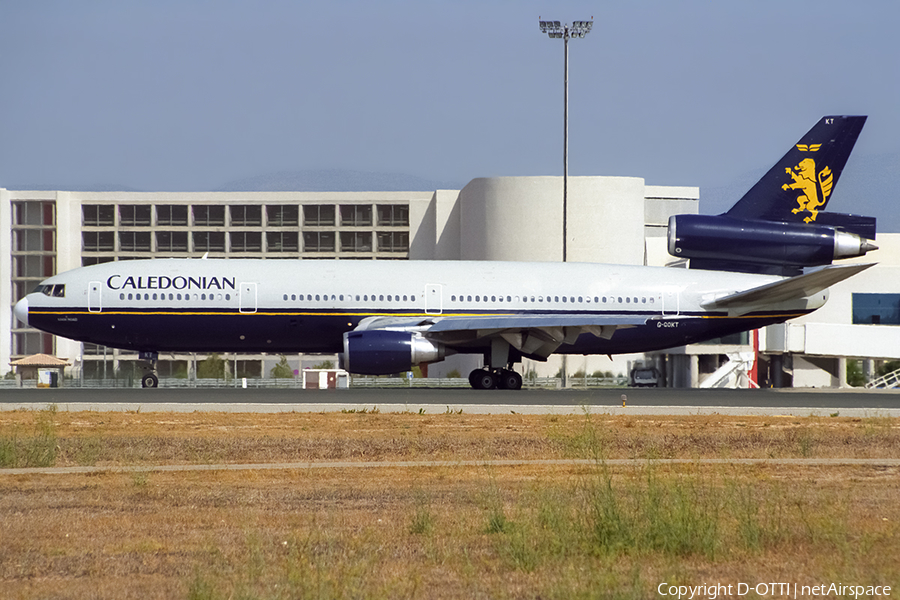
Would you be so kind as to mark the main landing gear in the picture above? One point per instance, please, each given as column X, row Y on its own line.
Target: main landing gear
column 149, row 379
column 504, row 379
column 491, row 378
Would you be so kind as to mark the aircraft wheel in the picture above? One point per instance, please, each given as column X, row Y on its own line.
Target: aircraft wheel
column 510, row 380
column 482, row 379
column 150, row 380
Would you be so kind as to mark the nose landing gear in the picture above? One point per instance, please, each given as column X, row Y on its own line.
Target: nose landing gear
column 149, row 379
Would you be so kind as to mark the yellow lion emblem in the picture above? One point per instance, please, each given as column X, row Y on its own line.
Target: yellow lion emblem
column 806, row 180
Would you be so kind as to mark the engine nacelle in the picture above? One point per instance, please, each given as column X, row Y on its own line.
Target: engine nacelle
column 722, row 238
column 382, row 352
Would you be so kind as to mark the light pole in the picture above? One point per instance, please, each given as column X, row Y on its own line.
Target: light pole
column 578, row 29
column 554, row 29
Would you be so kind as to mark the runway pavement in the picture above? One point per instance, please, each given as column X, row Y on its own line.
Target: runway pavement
column 826, row 402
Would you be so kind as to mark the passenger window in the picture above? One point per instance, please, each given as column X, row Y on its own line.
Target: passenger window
column 564, row 298
column 580, row 299
column 620, row 299
column 469, row 298
column 477, row 298
column 627, row 300
column 493, row 298
column 381, row 298
column 129, row 296
column 121, row 296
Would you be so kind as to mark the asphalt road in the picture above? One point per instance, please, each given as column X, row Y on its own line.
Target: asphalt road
column 637, row 400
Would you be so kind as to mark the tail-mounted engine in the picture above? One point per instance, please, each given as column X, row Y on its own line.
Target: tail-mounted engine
column 382, row 352
column 725, row 243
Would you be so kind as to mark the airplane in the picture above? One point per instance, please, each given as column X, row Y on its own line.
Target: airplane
column 766, row 260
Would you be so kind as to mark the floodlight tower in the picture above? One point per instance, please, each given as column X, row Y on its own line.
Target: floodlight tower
column 578, row 29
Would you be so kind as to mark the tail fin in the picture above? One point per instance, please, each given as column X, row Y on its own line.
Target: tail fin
column 801, row 183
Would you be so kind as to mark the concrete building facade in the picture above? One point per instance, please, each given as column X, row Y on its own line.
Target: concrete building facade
column 506, row 218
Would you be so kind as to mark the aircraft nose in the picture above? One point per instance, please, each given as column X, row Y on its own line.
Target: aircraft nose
column 21, row 310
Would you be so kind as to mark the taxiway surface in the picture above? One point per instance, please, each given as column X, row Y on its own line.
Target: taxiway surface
column 605, row 400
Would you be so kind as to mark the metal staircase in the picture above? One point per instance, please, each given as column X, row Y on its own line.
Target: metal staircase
column 733, row 374
column 891, row 380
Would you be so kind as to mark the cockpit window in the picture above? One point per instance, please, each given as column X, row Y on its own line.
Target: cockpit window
column 55, row 291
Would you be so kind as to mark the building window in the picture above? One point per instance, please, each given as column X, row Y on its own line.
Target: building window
column 34, row 240
column 876, row 309
column 33, row 212
column 209, row 216
column 134, row 241
column 34, row 267
column 279, row 215
column 246, row 241
column 318, row 215
column 134, row 215
column 87, row 261
column 356, row 215
column 98, row 215
column 172, row 215
column 393, row 215
column 171, row 241
column 246, row 215
column 318, row 241
column 356, row 241
column 209, row 241
column 32, row 343
column 282, row 241
column 98, row 241
column 393, row 241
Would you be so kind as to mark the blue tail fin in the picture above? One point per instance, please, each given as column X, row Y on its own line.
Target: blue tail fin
column 778, row 227
column 801, row 183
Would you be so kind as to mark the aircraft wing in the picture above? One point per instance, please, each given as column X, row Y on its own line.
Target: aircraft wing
column 794, row 288
column 532, row 334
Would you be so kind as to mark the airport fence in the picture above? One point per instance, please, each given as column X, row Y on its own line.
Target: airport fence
column 297, row 383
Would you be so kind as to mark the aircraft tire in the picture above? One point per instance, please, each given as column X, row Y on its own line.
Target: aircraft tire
column 150, row 380
column 510, row 380
column 482, row 379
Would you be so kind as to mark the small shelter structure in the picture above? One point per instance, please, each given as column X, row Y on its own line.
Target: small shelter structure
column 45, row 370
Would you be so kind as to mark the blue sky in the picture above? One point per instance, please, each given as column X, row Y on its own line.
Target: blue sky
column 188, row 95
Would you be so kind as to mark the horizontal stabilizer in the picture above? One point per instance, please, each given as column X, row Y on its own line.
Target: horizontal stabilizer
column 794, row 288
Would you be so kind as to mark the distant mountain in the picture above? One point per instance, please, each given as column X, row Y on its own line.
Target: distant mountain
column 869, row 185
column 336, row 180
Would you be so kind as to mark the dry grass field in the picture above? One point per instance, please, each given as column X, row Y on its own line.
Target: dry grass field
column 452, row 531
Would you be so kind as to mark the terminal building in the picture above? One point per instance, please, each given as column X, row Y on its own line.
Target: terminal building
column 618, row 220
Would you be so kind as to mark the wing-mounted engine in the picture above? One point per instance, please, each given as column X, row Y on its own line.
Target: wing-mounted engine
column 382, row 352
column 725, row 243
